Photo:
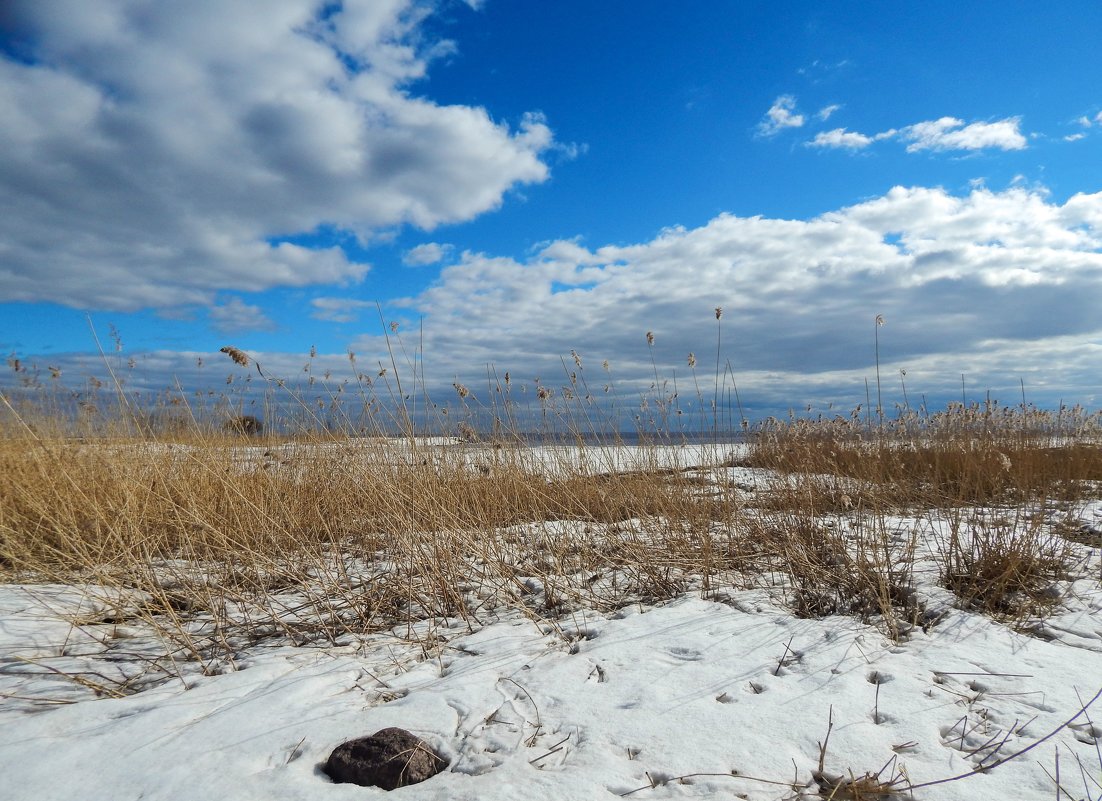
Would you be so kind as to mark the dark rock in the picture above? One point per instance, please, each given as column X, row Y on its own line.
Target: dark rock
column 389, row 758
column 246, row 424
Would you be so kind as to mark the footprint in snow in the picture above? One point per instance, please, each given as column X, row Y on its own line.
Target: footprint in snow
column 685, row 654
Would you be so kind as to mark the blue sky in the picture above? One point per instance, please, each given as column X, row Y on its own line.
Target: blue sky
column 516, row 181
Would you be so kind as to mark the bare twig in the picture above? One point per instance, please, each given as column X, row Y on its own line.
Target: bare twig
column 1016, row 754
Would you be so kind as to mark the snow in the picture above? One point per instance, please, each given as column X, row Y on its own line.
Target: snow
column 731, row 687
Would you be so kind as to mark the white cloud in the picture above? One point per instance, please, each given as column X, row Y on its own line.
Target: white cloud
column 1075, row 137
column 969, row 284
column 338, row 310
column 950, row 133
column 235, row 316
column 569, row 151
column 1000, row 286
column 428, row 253
column 840, row 137
column 154, row 155
column 946, row 133
column 817, row 69
column 782, row 114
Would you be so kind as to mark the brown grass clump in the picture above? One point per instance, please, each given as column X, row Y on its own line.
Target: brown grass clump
column 1003, row 569
column 834, row 566
column 1003, row 561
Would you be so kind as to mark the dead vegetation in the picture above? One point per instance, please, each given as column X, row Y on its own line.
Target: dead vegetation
column 361, row 534
column 325, row 522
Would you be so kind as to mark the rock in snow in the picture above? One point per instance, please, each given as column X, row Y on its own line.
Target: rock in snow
column 389, row 758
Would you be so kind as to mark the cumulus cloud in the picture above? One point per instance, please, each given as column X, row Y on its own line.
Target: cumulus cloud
column 428, row 253
column 840, row 137
column 968, row 284
column 338, row 310
column 827, row 112
column 235, row 317
column 950, row 133
column 154, row 155
column 782, row 114
column 998, row 285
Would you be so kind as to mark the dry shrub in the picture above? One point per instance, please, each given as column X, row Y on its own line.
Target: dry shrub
column 1004, row 568
column 831, row 570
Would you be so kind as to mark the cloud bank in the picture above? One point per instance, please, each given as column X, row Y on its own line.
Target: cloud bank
column 155, row 154
column 1000, row 286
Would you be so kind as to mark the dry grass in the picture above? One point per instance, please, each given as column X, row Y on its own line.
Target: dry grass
column 861, row 571
column 986, row 480
column 217, row 531
column 1005, row 568
column 325, row 539
column 963, row 457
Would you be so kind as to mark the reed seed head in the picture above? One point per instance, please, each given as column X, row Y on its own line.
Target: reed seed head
column 719, row 312
column 238, row 356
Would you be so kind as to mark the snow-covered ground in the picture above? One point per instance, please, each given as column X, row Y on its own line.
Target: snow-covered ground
column 730, row 696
